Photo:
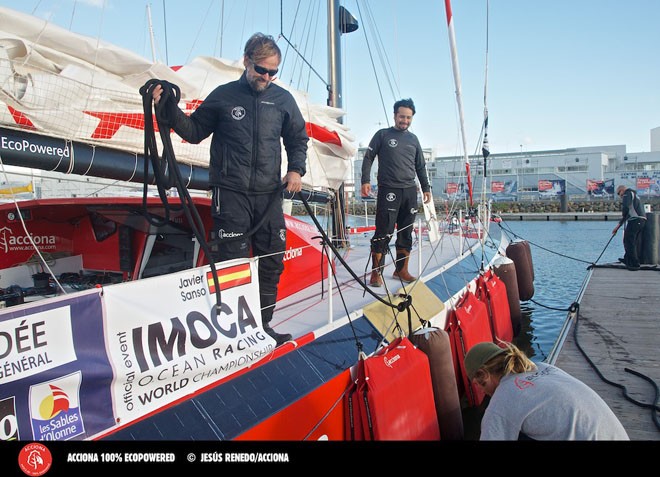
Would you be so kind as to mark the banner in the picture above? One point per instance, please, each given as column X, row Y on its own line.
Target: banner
column 545, row 185
column 176, row 342
column 552, row 188
column 78, row 367
column 452, row 187
column 608, row 187
column 594, row 185
column 643, row 183
column 54, row 371
column 497, row 186
column 598, row 188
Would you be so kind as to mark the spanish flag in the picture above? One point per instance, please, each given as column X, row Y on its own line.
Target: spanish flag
column 230, row 277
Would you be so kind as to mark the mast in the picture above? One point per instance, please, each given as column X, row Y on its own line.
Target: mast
column 485, row 148
column 334, row 99
column 334, row 56
column 339, row 21
column 459, row 99
column 151, row 34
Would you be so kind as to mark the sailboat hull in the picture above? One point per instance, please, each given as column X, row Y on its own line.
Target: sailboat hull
column 111, row 351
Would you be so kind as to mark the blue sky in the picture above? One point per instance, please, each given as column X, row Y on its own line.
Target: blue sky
column 561, row 73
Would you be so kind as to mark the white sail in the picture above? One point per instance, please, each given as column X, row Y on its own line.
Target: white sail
column 77, row 88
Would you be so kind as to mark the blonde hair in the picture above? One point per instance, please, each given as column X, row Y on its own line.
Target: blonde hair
column 260, row 46
column 512, row 361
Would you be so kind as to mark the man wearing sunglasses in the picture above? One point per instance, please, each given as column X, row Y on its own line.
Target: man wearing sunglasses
column 634, row 218
column 247, row 118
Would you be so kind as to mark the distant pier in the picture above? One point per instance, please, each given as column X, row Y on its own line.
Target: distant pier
column 565, row 216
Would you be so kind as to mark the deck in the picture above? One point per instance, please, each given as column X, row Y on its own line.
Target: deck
column 618, row 326
column 310, row 311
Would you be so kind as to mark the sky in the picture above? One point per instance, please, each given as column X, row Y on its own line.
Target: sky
column 552, row 74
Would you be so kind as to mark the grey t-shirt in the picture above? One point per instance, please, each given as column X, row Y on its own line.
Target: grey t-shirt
column 548, row 404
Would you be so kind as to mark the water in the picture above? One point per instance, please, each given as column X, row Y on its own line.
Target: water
column 562, row 251
column 561, row 254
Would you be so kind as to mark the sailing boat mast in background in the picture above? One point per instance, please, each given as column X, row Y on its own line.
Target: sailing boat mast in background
column 151, row 34
column 459, row 100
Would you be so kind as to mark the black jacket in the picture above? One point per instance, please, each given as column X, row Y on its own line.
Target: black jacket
column 246, row 152
column 631, row 207
column 400, row 159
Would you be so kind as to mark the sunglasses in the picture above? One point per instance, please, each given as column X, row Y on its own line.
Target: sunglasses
column 260, row 70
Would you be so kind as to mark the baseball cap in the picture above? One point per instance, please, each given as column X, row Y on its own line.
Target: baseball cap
column 479, row 355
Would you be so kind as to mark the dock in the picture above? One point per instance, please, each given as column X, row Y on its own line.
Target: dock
column 616, row 330
column 566, row 216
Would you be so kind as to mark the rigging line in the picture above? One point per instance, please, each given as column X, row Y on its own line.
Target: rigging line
column 306, row 62
column 73, row 14
column 300, row 55
column 547, row 249
column 66, row 141
column 550, row 307
column 396, row 308
column 373, row 67
column 303, row 44
column 656, row 402
column 338, row 254
column 340, row 399
column 485, row 147
column 91, row 161
column 171, row 96
column 221, row 31
column 310, row 43
column 358, row 343
column 44, row 263
column 199, row 30
column 293, row 27
column 382, row 55
column 72, row 161
column 605, row 248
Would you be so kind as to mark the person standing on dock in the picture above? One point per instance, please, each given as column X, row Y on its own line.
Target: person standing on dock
column 634, row 218
column 400, row 159
column 536, row 401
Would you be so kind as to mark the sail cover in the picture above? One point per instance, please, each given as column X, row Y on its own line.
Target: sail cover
column 77, row 88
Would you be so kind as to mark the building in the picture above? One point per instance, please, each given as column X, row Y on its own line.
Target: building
column 581, row 173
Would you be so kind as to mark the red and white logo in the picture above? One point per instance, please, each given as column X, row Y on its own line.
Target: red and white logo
column 35, row 459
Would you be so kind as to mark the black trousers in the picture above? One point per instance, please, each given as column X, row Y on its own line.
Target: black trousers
column 235, row 214
column 632, row 241
column 394, row 208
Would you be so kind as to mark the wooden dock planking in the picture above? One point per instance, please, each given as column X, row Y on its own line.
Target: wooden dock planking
column 618, row 327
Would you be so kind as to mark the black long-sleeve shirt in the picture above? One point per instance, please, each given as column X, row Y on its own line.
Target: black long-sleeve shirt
column 400, row 159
